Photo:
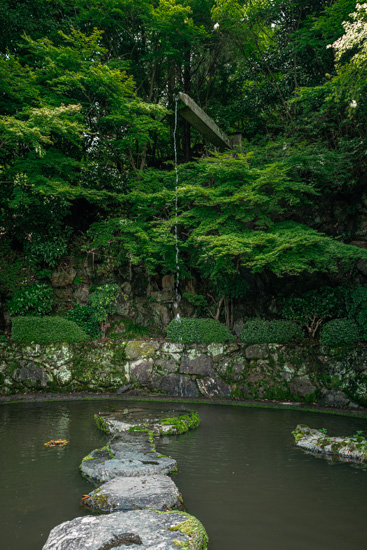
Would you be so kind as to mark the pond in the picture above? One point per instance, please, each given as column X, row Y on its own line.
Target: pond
column 239, row 472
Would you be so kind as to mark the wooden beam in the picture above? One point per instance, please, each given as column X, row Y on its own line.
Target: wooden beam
column 203, row 123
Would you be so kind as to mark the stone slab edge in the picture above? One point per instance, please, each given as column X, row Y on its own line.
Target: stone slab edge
column 317, row 442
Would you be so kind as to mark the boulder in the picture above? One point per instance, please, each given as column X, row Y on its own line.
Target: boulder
column 142, row 372
column 198, row 364
column 128, row 454
column 141, row 419
column 63, row 278
column 301, row 387
column 257, row 351
column 176, row 384
column 334, row 398
column 135, row 493
column 343, row 448
column 32, row 374
column 143, row 529
column 136, row 349
column 213, row 387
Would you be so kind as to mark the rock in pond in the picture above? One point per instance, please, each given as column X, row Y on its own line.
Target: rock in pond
column 128, row 454
column 164, row 422
column 133, row 493
column 351, row 449
column 141, row 529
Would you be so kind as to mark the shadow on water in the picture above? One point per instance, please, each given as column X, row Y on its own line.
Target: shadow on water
column 239, row 473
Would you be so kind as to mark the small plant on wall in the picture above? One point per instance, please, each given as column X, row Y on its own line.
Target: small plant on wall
column 104, row 303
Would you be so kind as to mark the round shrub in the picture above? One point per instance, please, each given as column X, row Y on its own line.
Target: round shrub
column 34, row 300
column 86, row 318
column 260, row 331
column 45, row 330
column 198, row 331
column 340, row 332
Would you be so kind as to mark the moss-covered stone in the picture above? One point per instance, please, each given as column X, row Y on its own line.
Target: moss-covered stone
column 318, row 442
column 136, row 349
column 304, row 373
column 198, row 538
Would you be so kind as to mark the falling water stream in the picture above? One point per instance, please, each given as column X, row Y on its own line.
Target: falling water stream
column 178, row 296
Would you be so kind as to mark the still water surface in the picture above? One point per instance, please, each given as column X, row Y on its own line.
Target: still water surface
column 239, row 473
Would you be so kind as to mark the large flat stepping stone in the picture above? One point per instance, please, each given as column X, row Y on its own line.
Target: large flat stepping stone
column 133, row 493
column 351, row 449
column 142, row 529
column 158, row 422
column 129, row 454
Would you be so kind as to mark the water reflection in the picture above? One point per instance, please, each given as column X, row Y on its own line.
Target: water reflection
column 239, row 473
column 251, row 487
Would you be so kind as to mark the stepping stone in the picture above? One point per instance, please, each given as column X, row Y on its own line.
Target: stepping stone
column 141, row 529
column 129, row 454
column 345, row 449
column 159, row 422
column 134, row 493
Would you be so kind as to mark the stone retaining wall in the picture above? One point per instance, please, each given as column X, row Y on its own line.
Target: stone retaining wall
column 335, row 377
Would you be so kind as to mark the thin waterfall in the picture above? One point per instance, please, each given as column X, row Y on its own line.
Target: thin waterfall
column 178, row 296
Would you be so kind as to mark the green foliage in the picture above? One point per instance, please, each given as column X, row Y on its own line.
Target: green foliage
column 85, row 317
column 103, row 301
column 200, row 331
column 134, row 330
column 340, row 332
column 183, row 423
column 15, row 270
column 198, row 301
column 357, row 307
column 260, row 331
column 46, row 250
column 86, row 144
column 312, row 308
column 130, row 331
column 34, row 300
column 45, row 330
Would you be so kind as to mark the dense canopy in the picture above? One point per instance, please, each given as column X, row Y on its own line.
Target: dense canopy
column 87, row 115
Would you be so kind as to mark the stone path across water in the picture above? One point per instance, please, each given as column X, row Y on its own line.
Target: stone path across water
column 132, row 475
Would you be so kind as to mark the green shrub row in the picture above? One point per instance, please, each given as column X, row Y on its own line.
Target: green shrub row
column 45, row 330
column 340, row 332
column 260, row 331
column 198, row 331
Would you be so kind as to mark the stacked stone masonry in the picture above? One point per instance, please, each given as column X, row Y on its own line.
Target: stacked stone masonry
column 332, row 377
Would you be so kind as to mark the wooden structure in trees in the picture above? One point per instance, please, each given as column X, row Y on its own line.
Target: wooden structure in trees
column 205, row 125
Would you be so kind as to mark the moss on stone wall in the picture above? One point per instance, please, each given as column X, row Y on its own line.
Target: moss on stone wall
column 268, row 371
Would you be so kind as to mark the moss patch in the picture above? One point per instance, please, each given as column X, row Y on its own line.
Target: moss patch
column 198, row 538
column 182, row 424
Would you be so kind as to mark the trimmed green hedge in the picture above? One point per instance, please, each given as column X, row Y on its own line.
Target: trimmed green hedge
column 198, row 331
column 340, row 332
column 260, row 331
column 44, row 330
